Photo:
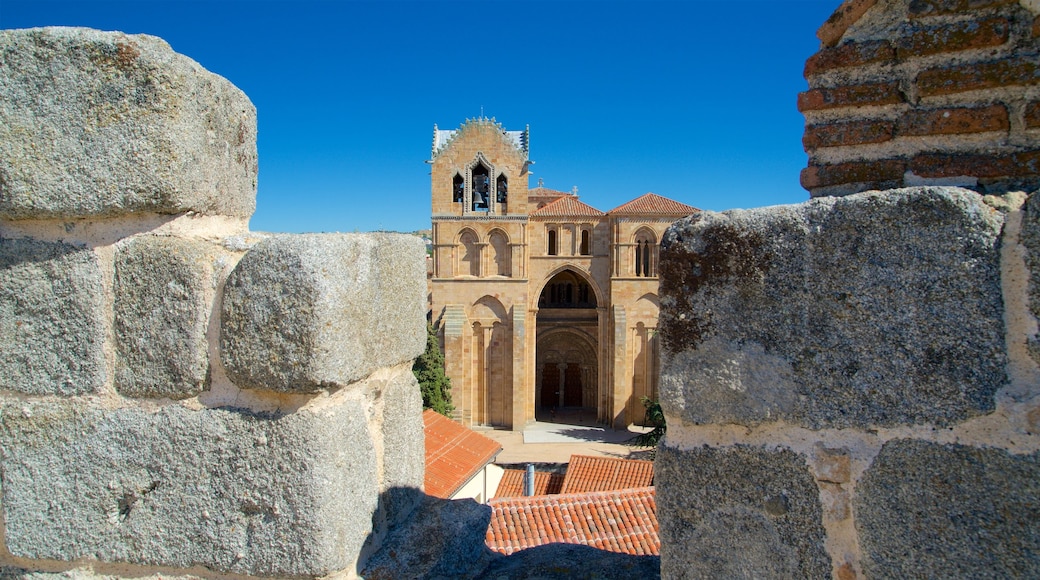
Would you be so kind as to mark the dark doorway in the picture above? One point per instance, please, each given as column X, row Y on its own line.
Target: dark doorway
column 572, row 386
column 550, row 386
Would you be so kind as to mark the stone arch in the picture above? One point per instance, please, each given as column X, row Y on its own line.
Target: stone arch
column 488, row 309
column 501, row 253
column 491, row 385
column 467, row 247
column 480, row 184
column 578, row 273
column 647, row 305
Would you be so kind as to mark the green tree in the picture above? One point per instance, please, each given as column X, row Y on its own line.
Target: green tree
column 429, row 371
column 654, row 418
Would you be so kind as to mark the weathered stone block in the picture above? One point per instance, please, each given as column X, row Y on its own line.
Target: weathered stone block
column 309, row 312
column 879, row 308
column 1030, row 238
column 103, row 123
column 404, row 447
column 949, row 511
column 51, row 318
column 764, row 501
column 163, row 295
column 277, row 496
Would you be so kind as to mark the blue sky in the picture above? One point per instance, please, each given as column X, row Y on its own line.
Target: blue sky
column 693, row 100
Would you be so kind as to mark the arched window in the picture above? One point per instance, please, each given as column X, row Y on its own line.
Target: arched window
column 481, row 187
column 552, row 243
column 501, row 190
column 645, row 254
column 469, row 258
column 586, row 243
column 458, row 189
column 502, row 254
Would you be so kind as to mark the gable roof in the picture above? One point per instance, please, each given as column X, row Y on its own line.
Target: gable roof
column 512, row 483
column 454, row 454
column 653, row 204
column 519, row 139
column 567, row 206
column 623, row 521
column 586, row 473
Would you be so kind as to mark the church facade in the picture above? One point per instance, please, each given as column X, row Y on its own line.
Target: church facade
column 542, row 302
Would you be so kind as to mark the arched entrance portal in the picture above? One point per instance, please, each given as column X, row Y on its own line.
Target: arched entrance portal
column 567, row 349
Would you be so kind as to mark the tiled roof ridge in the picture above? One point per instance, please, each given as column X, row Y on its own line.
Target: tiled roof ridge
column 451, row 462
column 512, row 483
column 586, row 473
column 565, row 206
column 652, row 203
column 621, row 520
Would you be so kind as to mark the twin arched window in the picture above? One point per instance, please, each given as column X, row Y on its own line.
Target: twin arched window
column 645, row 254
column 471, row 258
column 481, row 191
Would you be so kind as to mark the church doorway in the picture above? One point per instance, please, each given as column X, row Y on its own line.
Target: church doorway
column 567, row 353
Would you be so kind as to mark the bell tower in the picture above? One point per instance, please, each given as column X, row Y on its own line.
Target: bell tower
column 479, row 170
column 479, row 286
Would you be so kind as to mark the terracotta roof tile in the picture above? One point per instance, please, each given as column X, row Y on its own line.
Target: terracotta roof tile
column 567, row 206
column 454, row 454
column 585, row 473
column 653, row 204
column 623, row 521
column 512, row 484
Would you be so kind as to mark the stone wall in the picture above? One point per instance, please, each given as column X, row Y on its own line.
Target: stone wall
column 924, row 92
column 852, row 387
column 178, row 395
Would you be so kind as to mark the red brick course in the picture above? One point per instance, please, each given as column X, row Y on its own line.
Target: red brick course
column 847, row 133
column 920, row 8
column 883, row 170
column 979, row 52
column 850, row 96
column 954, row 37
column 851, row 54
column 976, row 165
column 1023, row 70
column 1032, row 115
column 953, row 121
column 848, row 13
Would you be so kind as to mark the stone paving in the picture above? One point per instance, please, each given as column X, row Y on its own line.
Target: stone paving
column 555, row 442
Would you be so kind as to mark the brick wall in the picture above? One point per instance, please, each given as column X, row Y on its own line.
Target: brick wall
column 943, row 92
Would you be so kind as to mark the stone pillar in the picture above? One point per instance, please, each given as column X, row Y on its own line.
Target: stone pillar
column 618, row 396
column 604, row 365
column 563, row 383
column 455, row 358
column 520, row 386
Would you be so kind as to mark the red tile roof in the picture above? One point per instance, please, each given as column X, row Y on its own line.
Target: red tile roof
column 653, row 204
column 567, row 206
column 512, row 484
column 623, row 521
column 454, row 454
column 585, row 473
